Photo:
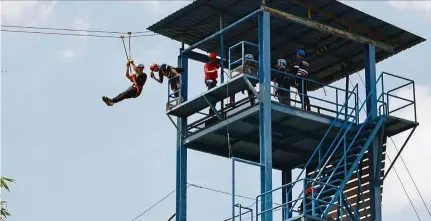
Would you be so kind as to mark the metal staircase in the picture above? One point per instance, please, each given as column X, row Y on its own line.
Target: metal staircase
column 330, row 168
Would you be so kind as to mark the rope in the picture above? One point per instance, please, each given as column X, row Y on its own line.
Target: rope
column 411, row 177
column 161, row 200
column 130, row 50
column 124, row 44
column 227, row 125
column 219, row 191
column 411, row 203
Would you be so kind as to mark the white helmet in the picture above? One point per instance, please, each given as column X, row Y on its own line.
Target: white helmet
column 249, row 56
column 282, row 62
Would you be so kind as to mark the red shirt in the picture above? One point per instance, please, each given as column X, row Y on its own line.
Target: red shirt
column 210, row 67
column 308, row 191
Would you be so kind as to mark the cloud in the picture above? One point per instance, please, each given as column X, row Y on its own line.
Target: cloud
column 421, row 6
column 27, row 12
column 416, row 154
column 68, row 53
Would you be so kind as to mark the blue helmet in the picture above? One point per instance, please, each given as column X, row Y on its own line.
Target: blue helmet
column 141, row 66
column 300, row 52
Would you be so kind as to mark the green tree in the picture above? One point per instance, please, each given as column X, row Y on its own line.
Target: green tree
column 4, row 184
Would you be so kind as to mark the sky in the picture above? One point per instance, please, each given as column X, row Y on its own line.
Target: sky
column 74, row 158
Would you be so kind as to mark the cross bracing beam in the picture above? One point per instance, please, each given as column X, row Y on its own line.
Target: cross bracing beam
column 329, row 29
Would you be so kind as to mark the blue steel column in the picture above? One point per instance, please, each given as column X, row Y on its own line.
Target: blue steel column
column 221, row 53
column 286, row 178
column 181, row 194
column 375, row 150
column 265, row 111
column 221, row 58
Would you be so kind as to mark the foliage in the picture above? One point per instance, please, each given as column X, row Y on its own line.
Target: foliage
column 4, row 213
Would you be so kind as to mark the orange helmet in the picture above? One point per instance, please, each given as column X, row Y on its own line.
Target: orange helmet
column 152, row 66
column 212, row 55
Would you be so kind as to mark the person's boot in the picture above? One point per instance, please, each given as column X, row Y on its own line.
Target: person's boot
column 107, row 101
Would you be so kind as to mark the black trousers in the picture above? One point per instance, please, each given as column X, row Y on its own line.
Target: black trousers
column 131, row 92
column 298, row 85
column 175, row 86
column 210, row 85
column 283, row 95
column 175, row 83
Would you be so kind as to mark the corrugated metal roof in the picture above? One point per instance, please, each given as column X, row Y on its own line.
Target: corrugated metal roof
column 340, row 56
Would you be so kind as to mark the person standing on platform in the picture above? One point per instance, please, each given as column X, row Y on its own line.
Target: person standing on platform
column 172, row 73
column 138, row 80
column 282, row 81
column 301, row 69
column 247, row 69
column 211, row 73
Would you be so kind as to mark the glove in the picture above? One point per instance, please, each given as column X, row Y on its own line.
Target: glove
column 130, row 60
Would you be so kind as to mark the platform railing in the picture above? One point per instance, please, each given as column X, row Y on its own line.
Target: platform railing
column 242, row 60
column 310, row 204
column 384, row 104
column 174, row 97
column 330, row 106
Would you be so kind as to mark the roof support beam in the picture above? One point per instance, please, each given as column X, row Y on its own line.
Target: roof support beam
column 347, row 59
column 222, row 31
column 202, row 58
column 325, row 28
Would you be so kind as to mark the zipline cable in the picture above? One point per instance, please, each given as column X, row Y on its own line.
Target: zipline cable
column 226, row 193
column 57, row 33
column 63, row 29
column 100, row 31
column 199, row 187
column 399, row 179
column 161, row 200
column 411, row 177
column 71, row 34
column 219, row 191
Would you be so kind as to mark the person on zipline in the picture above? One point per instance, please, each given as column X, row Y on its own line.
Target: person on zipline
column 133, row 91
column 171, row 73
column 301, row 69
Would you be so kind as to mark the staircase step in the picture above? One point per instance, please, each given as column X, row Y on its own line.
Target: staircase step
column 363, row 134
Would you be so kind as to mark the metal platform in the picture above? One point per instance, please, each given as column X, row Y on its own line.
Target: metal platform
column 225, row 90
column 295, row 134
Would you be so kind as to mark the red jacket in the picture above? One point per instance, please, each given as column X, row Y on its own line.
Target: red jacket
column 209, row 67
column 308, row 191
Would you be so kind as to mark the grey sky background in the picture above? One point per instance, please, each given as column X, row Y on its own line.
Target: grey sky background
column 76, row 159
